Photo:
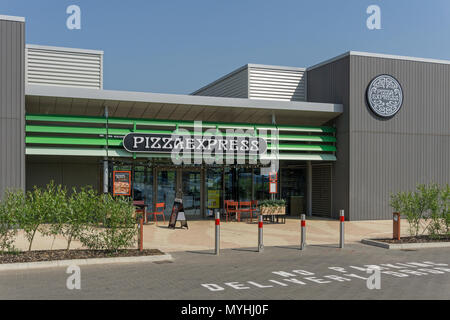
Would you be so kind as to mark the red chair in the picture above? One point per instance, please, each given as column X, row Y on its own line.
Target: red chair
column 244, row 207
column 253, row 208
column 160, row 205
column 231, row 207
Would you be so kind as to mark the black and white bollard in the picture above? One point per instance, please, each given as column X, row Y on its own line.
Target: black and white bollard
column 217, row 233
column 303, row 232
column 260, row 234
column 341, row 219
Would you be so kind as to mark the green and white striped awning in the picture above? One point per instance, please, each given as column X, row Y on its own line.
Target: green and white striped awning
column 67, row 135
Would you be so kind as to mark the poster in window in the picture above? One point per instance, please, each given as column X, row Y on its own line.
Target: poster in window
column 213, row 199
column 122, row 183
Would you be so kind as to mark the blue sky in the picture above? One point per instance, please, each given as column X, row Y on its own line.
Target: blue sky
column 179, row 46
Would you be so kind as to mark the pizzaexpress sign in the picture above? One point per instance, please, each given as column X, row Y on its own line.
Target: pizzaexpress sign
column 146, row 142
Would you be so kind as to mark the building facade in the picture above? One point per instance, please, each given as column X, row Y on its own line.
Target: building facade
column 344, row 133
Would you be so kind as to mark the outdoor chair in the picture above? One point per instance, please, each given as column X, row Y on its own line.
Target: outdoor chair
column 231, row 207
column 161, row 206
column 244, row 207
column 253, row 209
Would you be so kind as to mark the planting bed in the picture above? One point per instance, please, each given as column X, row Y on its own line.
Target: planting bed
column 417, row 239
column 52, row 255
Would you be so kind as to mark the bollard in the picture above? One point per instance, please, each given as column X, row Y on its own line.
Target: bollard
column 396, row 226
column 342, row 219
column 141, row 234
column 217, row 233
column 303, row 230
column 260, row 234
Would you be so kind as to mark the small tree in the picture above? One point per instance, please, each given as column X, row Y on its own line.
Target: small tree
column 40, row 207
column 428, row 204
column 83, row 207
column 54, row 210
column 115, row 226
column 11, row 204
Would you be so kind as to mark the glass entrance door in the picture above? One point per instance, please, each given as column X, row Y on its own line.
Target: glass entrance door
column 191, row 188
column 166, row 184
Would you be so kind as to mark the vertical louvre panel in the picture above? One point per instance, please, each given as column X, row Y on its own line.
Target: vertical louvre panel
column 64, row 67
column 321, row 190
column 272, row 83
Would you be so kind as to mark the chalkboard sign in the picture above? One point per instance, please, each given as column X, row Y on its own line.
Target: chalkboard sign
column 178, row 214
column 122, row 183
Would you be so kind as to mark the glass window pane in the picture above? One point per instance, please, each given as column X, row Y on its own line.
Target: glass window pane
column 214, row 194
column 166, row 182
column 191, row 193
column 245, row 184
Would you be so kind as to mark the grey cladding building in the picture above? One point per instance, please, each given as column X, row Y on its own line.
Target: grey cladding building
column 352, row 129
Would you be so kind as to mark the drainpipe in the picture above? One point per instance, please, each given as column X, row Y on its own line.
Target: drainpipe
column 309, row 188
column 105, row 159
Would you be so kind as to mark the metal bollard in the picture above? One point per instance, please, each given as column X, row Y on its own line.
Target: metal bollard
column 260, row 234
column 141, row 234
column 341, row 219
column 217, row 233
column 303, row 232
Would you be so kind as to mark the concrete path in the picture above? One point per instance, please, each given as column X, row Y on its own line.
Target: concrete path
column 200, row 235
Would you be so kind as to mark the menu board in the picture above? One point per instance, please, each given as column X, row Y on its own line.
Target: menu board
column 122, row 183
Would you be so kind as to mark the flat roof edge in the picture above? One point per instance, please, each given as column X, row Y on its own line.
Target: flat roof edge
column 377, row 55
column 270, row 66
column 66, row 49
column 100, row 94
column 12, row 18
column 398, row 57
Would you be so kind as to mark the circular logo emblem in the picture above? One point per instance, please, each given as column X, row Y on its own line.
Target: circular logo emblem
column 385, row 96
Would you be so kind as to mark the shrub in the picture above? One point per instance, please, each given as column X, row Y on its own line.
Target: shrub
column 10, row 206
column 114, row 226
column 54, row 210
column 42, row 206
column 428, row 205
column 82, row 209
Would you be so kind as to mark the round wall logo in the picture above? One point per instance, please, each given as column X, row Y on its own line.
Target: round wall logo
column 385, row 96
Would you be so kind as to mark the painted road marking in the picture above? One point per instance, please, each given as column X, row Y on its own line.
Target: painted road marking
column 399, row 270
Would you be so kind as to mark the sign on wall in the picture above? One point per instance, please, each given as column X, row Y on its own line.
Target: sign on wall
column 122, row 183
column 385, row 96
column 147, row 142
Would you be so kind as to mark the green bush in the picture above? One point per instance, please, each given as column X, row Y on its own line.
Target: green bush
column 9, row 209
column 428, row 205
column 114, row 227
column 43, row 210
column 82, row 208
column 272, row 203
column 98, row 221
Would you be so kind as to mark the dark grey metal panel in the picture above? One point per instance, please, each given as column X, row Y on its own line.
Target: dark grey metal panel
column 321, row 190
column 68, row 171
column 12, row 105
column 330, row 83
column 389, row 155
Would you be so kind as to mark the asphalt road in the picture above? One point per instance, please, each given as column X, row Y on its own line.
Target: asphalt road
column 319, row 272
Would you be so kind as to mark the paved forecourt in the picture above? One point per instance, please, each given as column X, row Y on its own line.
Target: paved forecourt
column 280, row 272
